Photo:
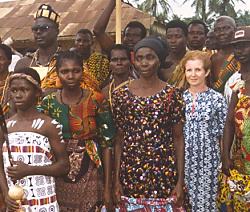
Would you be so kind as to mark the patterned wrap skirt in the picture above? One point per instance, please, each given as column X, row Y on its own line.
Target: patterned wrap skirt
column 234, row 192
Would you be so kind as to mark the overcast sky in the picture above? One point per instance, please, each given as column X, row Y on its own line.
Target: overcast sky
column 185, row 10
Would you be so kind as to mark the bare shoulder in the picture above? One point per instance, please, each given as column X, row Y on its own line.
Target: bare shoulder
column 217, row 57
column 134, row 84
column 24, row 62
column 49, row 123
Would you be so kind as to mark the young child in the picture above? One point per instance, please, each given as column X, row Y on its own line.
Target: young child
column 36, row 147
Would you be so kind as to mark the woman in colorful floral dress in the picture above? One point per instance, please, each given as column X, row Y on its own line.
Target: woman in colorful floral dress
column 35, row 153
column 150, row 114
column 235, row 180
column 88, row 131
column 205, row 117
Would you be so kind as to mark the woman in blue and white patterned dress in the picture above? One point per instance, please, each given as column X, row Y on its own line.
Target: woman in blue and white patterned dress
column 205, row 117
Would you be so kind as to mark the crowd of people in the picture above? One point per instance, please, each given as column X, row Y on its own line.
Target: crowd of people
column 157, row 123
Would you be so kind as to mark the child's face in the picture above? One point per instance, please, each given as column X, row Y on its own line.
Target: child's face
column 23, row 93
column 70, row 73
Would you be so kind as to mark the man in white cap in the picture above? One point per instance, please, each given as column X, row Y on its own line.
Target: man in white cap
column 241, row 46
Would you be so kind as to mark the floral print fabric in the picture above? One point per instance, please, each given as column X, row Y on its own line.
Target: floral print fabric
column 148, row 162
column 205, row 119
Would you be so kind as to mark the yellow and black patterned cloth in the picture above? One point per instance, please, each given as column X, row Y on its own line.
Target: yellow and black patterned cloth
column 95, row 73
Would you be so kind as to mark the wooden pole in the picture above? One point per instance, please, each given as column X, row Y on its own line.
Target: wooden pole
column 118, row 22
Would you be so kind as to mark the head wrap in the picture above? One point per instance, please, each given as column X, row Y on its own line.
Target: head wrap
column 46, row 11
column 26, row 77
column 156, row 44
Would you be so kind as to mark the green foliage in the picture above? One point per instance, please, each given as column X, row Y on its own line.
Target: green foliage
column 243, row 18
column 208, row 10
column 246, row 133
column 157, row 8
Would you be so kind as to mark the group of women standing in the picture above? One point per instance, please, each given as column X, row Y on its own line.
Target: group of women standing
column 166, row 156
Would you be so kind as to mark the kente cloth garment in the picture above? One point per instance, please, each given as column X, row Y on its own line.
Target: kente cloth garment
column 90, row 123
column 95, row 73
column 42, row 70
column 148, row 205
column 148, row 162
column 235, row 189
column 5, row 106
column 209, row 51
column 4, row 95
column 230, row 66
column 205, row 119
column 178, row 78
column 33, row 149
column 229, row 84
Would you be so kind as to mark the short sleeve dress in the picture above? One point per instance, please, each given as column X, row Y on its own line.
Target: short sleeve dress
column 205, row 119
column 90, row 123
column 148, row 162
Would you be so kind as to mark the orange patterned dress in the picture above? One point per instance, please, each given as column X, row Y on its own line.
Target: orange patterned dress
column 235, row 190
column 87, row 128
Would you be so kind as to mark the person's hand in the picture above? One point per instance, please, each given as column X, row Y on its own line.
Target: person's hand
column 107, row 199
column 18, row 170
column 178, row 192
column 227, row 164
column 11, row 204
column 117, row 192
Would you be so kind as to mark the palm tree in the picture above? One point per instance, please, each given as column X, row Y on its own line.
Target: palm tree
column 200, row 8
column 220, row 7
column 157, row 8
column 226, row 7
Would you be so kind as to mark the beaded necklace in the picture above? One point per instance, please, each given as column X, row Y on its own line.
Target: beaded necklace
column 35, row 59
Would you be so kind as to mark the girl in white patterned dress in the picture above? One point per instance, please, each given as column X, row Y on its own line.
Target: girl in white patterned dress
column 36, row 147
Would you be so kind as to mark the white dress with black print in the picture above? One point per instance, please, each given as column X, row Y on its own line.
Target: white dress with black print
column 33, row 149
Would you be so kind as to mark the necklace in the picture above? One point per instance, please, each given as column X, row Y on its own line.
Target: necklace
column 35, row 59
column 78, row 101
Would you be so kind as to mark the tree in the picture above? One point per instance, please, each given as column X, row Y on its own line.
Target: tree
column 227, row 7
column 200, row 8
column 157, row 8
column 215, row 8
column 243, row 18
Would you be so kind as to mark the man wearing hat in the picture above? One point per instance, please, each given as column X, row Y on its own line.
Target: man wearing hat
column 234, row 181
column 45, row 30
column 241, row 45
